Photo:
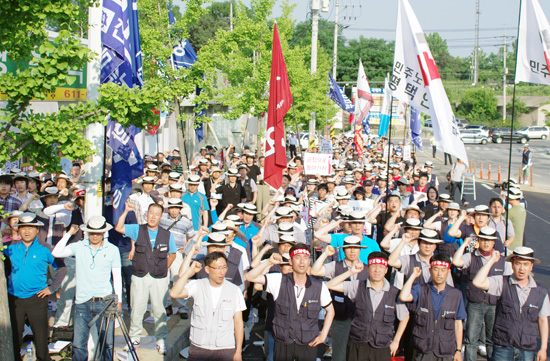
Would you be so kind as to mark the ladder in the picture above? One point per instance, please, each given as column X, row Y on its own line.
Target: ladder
column 468, row 185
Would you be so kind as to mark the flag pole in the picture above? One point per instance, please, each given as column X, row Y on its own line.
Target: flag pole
column 389, row 155
column 511, row 131
column 297, row 132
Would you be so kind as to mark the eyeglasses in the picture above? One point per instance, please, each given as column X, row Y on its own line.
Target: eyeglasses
column 223, row 269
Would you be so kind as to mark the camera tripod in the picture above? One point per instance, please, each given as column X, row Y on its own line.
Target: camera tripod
column 109, row 313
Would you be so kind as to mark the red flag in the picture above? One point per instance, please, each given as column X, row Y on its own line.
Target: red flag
column 351, row 115
column 280, row 100
column 152, row 129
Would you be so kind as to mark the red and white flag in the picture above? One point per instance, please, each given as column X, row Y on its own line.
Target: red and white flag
column 533, row 61
column 415, row 80
column 364, row 99
column 280, row 100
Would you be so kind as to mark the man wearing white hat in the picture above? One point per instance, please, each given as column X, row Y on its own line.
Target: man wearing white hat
column 481, row 306
column 343, row 306
column 97, row 261
column 197, row 201
column 144, row 199
column 28, row 289
column 522, row 309
column 517, row 215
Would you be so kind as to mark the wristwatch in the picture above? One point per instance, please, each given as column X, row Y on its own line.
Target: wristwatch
column 458, row 350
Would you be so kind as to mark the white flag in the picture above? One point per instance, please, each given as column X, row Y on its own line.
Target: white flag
column 415, row 80
column 533, row 44
column 364, row 97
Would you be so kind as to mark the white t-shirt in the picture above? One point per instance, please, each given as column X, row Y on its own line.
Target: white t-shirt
column 274, row 285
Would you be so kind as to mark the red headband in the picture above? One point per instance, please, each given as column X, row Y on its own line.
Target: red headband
column 80, row 193
column 299, row 251
column 378, row 260
column 440, row 264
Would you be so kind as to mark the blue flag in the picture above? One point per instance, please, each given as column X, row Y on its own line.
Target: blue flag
column 336, row 94
column 366, row 124
column 121, row 64
column 416, row 128
column 385, row 111
column 183, row 55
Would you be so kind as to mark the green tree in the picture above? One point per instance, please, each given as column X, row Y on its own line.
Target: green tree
column 43, row 138
column 479, row 106
column 449, row 67
column 376, row 55
column 237, row 65
column 215, row 18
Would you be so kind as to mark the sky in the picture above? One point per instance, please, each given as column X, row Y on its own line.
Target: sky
column 454, row 20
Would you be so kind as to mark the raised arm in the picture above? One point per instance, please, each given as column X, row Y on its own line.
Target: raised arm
column 257, row 259
column 179, row 290
column 318, row 268
column 406, row 295
column 481, row 280
column 386, row 242
column 128, row 206
column 393, row 259
column 454, row 231
column 430, row 222
column 61, row 250
column 337, row 283
column 256, row 275
column 457, row 257
column 323, row 235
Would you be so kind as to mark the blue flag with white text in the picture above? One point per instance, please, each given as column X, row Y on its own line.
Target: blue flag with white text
column 338, row 96
column 416, row 128
column 121, row 63
column 183, row 55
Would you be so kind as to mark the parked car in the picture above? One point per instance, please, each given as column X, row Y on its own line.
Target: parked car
column 498, row 135
column 484, row 129
column 535, row 132
column 461, row 123
column 473, row 136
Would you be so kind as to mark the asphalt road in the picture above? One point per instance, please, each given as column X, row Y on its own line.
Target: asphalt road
column 537, row 229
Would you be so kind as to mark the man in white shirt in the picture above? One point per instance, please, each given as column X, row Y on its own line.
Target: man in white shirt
column 217, row 329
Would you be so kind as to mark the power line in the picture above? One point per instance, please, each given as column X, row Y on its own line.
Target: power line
column 426, row 30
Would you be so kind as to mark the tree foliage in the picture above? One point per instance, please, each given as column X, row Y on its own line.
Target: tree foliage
column 237, row 65
column 44, row 138
column 479, row 106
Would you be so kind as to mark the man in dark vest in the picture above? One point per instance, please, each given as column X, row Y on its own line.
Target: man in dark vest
column 298, row 301
column 438, row 312
column 232, row 192
column 376, row 304
column 522, row 309
column 153, row 251
column 481, row 306
column 248, row 184
column 343, row 306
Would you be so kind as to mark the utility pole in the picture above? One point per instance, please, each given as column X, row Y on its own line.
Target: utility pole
column 315, row 7
column 231, row 16
column 476, row 45
column 94, row 132
column 504, row 72
column 335, row 54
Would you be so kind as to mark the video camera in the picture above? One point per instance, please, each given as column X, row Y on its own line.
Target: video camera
column 503, row 185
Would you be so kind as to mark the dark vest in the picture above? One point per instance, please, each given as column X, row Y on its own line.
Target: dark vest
column 57, row 231
column 514, row 326
column 153, row 261
column 475, row 294
column 446, row 249
column 431, row 333
column 233, row 275
column 300, row 326
column 343, row 306
column 374, row 327
column 247, row 188
column 414, row 263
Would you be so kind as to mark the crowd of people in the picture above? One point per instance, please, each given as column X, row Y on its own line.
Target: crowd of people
column 371, row 261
